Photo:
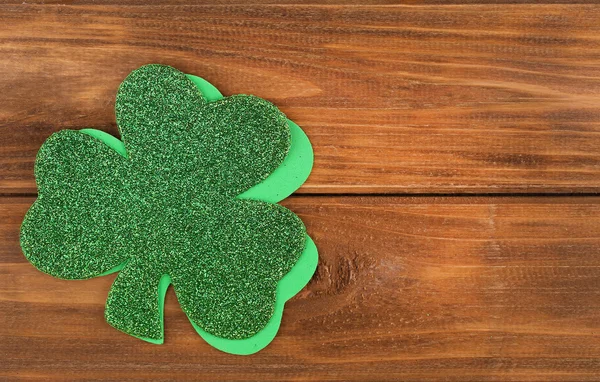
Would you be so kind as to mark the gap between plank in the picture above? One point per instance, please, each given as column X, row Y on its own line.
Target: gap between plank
column 403, row 195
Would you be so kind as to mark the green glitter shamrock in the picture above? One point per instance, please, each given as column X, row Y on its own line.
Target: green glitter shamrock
column 186, row 198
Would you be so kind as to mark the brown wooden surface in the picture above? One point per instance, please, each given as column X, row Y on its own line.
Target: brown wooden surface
column 424, row 99
column 407, row 289
column 429, row 97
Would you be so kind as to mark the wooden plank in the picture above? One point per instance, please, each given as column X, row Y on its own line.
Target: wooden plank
column 416, row 289
column 296, row 2
column 396, row 99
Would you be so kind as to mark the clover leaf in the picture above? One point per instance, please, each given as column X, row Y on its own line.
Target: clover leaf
column 177, row 201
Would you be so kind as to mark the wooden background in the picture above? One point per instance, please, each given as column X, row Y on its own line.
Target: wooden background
column 452, row 201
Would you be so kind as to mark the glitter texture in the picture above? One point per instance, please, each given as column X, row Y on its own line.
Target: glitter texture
column 168, row 209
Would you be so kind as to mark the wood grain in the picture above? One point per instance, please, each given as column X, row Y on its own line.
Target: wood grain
column 296, row 2
column 465, row 96
column 415, row 289
column 396, row 99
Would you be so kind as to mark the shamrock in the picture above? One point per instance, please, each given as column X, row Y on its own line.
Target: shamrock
column 187, row 198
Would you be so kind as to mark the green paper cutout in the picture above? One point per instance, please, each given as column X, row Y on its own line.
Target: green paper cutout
column 292, row 283
column 290, row 175
column 287, row 178
column 163, row 286
column 282, row 182
column 112, row 142
column 207, row 89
